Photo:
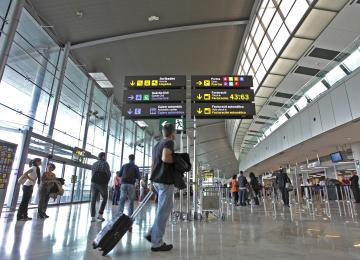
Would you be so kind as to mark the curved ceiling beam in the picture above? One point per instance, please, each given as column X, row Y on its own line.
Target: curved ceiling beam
column 158, row 31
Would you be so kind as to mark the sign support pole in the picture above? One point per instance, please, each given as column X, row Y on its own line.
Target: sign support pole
column 181, row 192
column 188, row 189
column 195, row 181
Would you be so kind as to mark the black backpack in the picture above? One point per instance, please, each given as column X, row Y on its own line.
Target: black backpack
column 129, row 174
column 100, row 178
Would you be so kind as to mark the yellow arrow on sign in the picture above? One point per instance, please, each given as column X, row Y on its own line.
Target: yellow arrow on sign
column 199, row 83
column 132, row 83
column 199, row 97
column 199, row 110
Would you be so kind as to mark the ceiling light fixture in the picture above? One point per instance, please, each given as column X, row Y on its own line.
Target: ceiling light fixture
column 141, row 124
column 108, row 59
column 153, row 18
column 101, row 79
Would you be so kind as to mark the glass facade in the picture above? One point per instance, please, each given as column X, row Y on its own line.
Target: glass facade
column 337, row 70
column 86, row 116
column 274, row 22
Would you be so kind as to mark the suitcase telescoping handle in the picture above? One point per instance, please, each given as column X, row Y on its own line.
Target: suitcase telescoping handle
column 142, row 204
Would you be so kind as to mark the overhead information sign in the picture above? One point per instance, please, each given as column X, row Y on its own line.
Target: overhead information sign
column 155, row 81
column 154, row 95
column 221, row 81
column 223, row 95
column 155, row 111
column 223, row 110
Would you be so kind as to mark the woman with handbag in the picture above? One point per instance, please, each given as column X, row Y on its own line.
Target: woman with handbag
column 48, row 180
column 31, row 176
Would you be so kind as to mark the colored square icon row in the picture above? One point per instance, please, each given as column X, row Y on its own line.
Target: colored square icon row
column 231, row 84
column 234, row 79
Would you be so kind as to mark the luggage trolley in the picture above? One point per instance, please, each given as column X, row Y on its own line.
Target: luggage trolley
column 211, row 192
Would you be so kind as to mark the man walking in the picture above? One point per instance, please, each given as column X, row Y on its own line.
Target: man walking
column 282, row 179
column 99, row 184
column 162, row 177
column 242, row 188
column 129, row 173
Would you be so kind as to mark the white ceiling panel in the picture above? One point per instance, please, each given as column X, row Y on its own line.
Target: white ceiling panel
column 265, row 91
column 296, row 48
column 293, row 82
column 273, row 80
column 331, row 4
column 315, row 23
column 283, row 66
column 260, row 101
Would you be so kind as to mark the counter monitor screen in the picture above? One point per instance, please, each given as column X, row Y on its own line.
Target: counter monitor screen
column 336, row 157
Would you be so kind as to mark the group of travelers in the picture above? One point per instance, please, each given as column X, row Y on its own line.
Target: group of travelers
column 244, row 191
column 49, row 186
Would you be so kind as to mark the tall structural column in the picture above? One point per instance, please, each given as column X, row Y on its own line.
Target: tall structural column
column 356, row 155
column 9, row 33
column 36, row 93
column 59, row 89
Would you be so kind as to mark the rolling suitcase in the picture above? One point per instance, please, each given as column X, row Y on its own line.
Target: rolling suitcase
column 111, row 234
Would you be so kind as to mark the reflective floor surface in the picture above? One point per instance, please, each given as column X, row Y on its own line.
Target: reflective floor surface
column 246, row 234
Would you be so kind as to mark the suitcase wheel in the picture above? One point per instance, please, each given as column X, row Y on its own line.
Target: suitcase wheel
column 95, row 245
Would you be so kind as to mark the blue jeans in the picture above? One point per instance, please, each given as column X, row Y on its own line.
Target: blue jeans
column 116, row 195
column 242, row 195
column 127, row 191
column 165, row 204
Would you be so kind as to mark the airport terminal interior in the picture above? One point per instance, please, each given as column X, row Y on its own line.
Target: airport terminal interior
column 261, row 97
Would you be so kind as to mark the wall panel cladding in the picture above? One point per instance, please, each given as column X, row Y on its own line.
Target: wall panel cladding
column 340, row 105
column 315, row 120
column 353, row 91
column 326, row 113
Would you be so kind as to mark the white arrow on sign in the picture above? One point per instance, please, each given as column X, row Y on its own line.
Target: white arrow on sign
column 164, row 123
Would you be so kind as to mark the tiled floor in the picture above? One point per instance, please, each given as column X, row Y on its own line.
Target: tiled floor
column 246, row 234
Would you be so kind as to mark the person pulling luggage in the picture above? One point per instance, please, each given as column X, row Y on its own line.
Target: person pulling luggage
column 163, row 179
column 99, row 184
column 129, row 173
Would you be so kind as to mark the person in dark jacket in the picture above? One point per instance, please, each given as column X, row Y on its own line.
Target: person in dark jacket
column 254, row 184
column 129, row 174
column 242, row 188
column 355, row 187
column 99, row 184
column 162, row 177
column 281, row 181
